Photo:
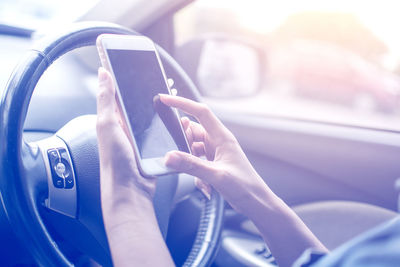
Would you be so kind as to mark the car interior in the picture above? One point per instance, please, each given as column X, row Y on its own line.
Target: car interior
column 310, row 90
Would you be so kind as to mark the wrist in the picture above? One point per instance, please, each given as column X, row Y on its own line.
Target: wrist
column 123, row 211
column 113, row 178
column 123, row 202
column 269, row 213
column 261, row 203
column 121, row 186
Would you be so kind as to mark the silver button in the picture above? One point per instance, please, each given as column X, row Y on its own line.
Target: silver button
column 60, row 169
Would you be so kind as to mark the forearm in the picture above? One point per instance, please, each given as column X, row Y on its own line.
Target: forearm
column 136, row 239
column 284, row 232
column 132, row 229
column 231, row 174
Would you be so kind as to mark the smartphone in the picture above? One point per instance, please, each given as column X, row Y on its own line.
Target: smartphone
column 139, row 77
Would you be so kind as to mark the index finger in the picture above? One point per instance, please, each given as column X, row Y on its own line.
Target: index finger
column 105, row 98
column 200, row 111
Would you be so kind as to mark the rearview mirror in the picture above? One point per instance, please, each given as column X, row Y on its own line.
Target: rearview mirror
column 223, row 67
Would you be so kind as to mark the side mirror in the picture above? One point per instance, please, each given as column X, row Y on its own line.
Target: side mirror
column 222, row 66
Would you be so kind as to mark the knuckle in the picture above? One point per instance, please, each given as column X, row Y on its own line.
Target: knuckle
column 195, row 125
column 101, row 95
column 184, row 163
column 204, row 110
column 192, row 126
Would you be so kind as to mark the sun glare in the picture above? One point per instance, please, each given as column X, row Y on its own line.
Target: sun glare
column 264, row 16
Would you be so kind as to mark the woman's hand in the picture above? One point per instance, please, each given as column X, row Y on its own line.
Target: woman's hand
column 126, row 196
column 231, row 173
column 226, row 168
column 120, row 178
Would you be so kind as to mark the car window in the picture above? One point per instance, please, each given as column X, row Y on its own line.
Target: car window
column 326, row 61
column 35, row 14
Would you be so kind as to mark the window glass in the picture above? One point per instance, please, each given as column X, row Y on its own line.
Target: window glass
column 34, row 14
column 326, row 61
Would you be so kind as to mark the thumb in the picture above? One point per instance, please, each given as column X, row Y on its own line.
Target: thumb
column 187, row 163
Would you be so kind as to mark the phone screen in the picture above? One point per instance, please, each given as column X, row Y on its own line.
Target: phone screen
column 155, row 126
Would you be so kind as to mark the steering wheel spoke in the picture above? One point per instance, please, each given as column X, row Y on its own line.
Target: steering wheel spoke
column 61, row 181
column 33, row 172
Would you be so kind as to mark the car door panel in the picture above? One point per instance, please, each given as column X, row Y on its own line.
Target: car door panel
column 305, row 161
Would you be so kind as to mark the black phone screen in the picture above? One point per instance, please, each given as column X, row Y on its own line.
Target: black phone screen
column 155, row 126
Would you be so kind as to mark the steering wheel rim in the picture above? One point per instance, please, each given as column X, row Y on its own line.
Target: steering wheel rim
column 22, row 175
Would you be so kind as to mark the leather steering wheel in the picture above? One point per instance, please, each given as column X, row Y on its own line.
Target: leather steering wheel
column 44, row 209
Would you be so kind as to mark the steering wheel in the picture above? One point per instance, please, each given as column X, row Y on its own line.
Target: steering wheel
column 50, row 188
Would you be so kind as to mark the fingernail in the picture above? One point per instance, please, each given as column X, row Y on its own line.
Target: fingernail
column 204, row 188
column 170, row 82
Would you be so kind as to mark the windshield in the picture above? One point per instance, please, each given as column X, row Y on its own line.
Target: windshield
column 35, row 14
column 326, row 61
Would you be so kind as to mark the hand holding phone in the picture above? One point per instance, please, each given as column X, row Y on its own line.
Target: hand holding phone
column 154, row 128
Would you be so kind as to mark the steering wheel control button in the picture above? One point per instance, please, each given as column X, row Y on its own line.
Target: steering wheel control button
column 69, row 183
column 53, row 155
column 58, row 182
column 63, row 153
column 60, row 169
